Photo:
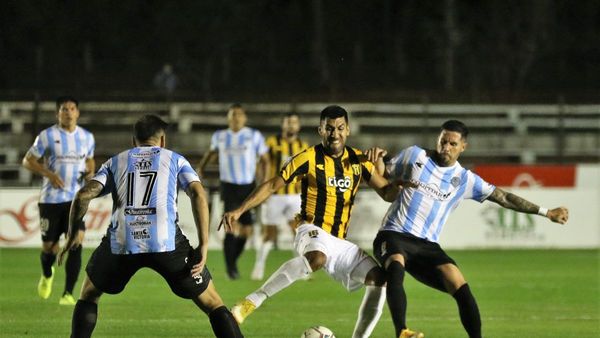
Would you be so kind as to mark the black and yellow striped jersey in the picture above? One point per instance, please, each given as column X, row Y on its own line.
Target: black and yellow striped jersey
column 329, row 185
column 280, row 152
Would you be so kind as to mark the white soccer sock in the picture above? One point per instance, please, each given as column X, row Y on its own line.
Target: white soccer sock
column 369, row 312
column 263, row 253
column 287, row 274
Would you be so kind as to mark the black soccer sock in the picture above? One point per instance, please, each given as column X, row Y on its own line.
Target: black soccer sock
column 72, row 267
column 223, row 323
column 47, row 260
column 468, row 310
column 396, row 296
column 240, row 242
column 84, row 319
column 229, row 250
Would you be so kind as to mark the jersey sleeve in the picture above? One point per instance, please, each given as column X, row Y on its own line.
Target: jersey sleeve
column 91, row 145
column 39, row 145
column 186, row 174
column 104, row 177
column 296, row 166
column 261, row 146
column 367, row 167
column 398, row 166
column 478, row 189
column 214, row 141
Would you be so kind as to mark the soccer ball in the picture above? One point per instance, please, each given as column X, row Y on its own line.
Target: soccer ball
column 317, row 332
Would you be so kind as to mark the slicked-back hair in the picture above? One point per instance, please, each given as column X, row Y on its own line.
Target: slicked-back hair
column 64, row 99
column 149, row 126
column 456, row 126
column 333, row 112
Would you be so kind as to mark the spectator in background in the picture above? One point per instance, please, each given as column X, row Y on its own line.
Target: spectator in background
column 408, row 238
column 68, row 154
column 243, row 162
column 281, row 208
column 165, row 81
column 144, row 231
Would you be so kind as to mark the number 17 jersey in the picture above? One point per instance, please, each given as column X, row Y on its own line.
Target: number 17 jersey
column 144, row 182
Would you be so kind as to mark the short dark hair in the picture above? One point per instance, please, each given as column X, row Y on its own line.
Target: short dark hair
column 148, row 126
column 64, row 99
column 457, row 126
column 290, row 114
column 236, row 106
column 333, row 112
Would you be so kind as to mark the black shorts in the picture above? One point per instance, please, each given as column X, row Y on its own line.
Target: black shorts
column 233, row 195
column 421, row 257
column 54, row 220
column 110, row 273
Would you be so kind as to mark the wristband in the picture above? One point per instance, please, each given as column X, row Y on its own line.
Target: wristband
column 543, row 211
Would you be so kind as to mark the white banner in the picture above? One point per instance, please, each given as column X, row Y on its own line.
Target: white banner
column 471, row 225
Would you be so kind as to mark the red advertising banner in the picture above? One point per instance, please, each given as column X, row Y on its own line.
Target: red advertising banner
column 528, row 175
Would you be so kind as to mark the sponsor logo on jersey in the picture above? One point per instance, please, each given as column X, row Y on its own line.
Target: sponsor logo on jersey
column 342, row 184
column 433, row 190
column 70, row 157
column 144, row 154
column 139, row 221
column 140, row 234
column 146, row 211
column 143, row 164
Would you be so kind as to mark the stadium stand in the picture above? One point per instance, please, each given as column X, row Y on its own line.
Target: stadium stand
column 499, row 133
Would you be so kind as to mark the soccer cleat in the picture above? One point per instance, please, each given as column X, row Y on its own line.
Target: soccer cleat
column 258, row 273
column 67, row 299
column 242, row 310
column 407, row 333
column 45, row 285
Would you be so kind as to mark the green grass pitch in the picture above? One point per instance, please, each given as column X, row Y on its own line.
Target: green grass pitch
column 521, row 293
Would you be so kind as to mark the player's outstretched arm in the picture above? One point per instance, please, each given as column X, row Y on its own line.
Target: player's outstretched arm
column 79, row 207
column 202, row 220
column 376, row 155
column 514, row 202
column 259, row 195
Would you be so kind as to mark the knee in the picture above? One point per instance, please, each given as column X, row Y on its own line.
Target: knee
column 376, row 277
column 316, row 259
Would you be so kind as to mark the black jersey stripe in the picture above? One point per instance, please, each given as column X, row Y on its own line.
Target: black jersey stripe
column 339, row 195
column 321, row 186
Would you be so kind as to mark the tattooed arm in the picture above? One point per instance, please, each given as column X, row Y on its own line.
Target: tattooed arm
column 79, row 207
column 514, row 202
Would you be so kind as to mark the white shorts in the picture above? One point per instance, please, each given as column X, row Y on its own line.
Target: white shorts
column 280, row 210
column 346, row 262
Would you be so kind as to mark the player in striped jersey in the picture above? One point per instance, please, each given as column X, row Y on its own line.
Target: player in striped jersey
column 144, row 230
column 243, row 162
column 280, row 209
column 407, row 240
column 68, row 154
column 330, row 174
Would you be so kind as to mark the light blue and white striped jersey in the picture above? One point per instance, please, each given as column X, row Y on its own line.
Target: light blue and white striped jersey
column 238, row 154
column 65, row 153
column 423, row 211
column 144, row 182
